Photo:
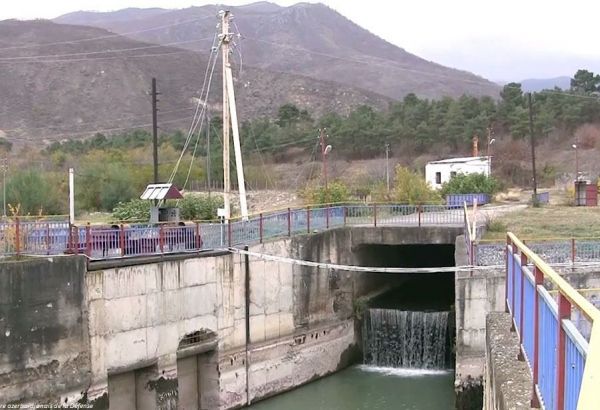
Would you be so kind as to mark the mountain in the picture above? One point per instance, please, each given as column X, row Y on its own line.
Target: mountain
column 307, row 39
column 539, row 84
column 62, row 80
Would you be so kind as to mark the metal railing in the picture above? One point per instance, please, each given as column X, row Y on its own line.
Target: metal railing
column 564, row 365
column 122, row 240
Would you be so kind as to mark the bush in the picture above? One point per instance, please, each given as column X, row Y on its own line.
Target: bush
column 336, row 192
column 495, row 225
column 134, row 210
column 196, row 207
column 470, row 184
column 411, row 188
column 34, row 193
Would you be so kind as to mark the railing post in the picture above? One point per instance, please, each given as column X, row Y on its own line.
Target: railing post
column 521, row 297
column 345, row 214
column 198, row 238
column 48, row 246
column 508, row 252
column 76, row 229
column 564, row 312
column 88, row 240
column 513, row 280
column 308, row 219
column 420, row 211
column 122, row 239
column 539, row 280
column 229, row 234
column 375, row 215
column 260, row 227
column 573, row 251
column 327, row 216
column 289, row 221
column 17, row 237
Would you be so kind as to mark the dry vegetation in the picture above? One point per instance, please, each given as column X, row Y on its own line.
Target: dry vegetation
column 549, row 222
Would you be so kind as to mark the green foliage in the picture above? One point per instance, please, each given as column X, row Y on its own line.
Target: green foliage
column 36, row 192
column 196, row 207
column 470, row 184
column 102, row 184
column 134, row 210
column 411, row 188
column 336, row 192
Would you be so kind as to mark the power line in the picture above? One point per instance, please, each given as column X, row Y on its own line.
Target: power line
column 180, row 23
column 94, row 122
column 76, row 60
column 85, row 53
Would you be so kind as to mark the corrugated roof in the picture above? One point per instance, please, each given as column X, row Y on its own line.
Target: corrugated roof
column 459, row 160
column 161, row 191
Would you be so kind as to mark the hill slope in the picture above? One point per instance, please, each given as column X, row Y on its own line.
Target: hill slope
column 308, row 39
column 539, row 84
column 78, row 86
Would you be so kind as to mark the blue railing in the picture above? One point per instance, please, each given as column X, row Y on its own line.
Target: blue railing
column 564, row 365
column 122, row 240
column 457, row 200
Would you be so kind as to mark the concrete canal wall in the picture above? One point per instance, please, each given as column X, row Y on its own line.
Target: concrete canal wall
column 211, row 330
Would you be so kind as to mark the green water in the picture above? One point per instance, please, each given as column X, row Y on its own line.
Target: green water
column 368, row 388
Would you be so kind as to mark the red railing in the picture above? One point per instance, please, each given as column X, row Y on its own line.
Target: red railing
column 122, row 240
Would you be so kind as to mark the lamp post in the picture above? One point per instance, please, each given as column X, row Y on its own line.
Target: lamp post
column 489, row 157
column 574, row 146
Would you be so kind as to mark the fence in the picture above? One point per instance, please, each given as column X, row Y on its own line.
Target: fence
column 457, row 200
column 564, row 365
column 102, row 242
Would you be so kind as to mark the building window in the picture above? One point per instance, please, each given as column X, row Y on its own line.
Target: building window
column 438, row 178
column 452, row 174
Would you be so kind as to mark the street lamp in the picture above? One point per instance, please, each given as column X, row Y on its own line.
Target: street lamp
column 574, row 146
column 489, row 158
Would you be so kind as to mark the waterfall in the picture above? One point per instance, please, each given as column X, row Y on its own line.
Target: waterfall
column 396, row 338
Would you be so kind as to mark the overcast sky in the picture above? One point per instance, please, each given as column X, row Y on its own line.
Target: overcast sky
column 500, row 40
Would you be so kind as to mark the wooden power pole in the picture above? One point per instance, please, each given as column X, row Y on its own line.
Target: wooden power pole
column 155, row 130
column 532, row 138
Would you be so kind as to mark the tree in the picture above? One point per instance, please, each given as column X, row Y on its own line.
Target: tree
column 585, row 82
column 36, row 193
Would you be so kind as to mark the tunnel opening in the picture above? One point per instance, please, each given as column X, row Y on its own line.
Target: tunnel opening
column 408, row 319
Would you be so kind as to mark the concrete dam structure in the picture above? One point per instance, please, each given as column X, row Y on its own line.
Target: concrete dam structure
column 221, row 330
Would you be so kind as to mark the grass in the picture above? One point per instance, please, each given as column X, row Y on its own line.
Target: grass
column 547, row 222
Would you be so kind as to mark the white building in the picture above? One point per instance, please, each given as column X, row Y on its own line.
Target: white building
column 438, row 172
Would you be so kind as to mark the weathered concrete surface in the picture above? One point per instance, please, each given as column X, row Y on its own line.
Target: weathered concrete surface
column 44, row 347
column 508, row 382
column 131, row 321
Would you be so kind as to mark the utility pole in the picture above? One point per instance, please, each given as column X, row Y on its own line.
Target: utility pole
column 230, row 114
column 322, row 138
column 155, row 130
column 532, row 137
column 387, row 166
column 208, row 169
column 71, row 197
column 225, row 56
column 4, row 170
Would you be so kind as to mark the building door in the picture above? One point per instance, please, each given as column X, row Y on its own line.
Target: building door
column 121, row 391
column 188, row 382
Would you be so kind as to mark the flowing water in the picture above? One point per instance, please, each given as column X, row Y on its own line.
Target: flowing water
column 407, row 357
column 406, row 339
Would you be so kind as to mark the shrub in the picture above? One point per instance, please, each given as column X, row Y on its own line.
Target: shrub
column 495, row 225
column 411, row 188
column 471, row 184
column 196, row 207
column 134, row 210
column 336, row 192
column 32, row 192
